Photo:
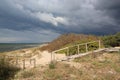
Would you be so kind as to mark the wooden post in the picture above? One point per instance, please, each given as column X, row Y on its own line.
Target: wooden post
column 78, row 49
column 51, row 56
column 24, row 64
column 39, row 55
column 119, row 51
column 8, row 57
column 30, row 61
column 54, row 56
column 99, row 44
column 68, row 52
column 86, row 45
column 93, row 54
column 34, row 63
column 30, row 55
column 3, row 58
column 17, row 61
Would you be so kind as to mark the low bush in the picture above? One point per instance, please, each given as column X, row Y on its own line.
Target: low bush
column 52, row 65
column 111, row 40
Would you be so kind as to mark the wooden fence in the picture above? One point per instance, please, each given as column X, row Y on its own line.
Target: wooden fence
column 78, row 49
column 21, row 63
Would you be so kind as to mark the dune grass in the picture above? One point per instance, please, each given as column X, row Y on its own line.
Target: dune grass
column 102, row 67
column 7, row 70
column 61, row 71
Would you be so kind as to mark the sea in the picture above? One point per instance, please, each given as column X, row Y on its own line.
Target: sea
column 5, row 47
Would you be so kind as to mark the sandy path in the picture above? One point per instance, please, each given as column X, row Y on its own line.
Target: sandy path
column 45, row 58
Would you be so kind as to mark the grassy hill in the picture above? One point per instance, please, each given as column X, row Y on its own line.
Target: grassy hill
column 69, row 39
column 73, row 39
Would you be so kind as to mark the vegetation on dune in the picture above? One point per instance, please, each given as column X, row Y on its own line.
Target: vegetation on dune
column 61, row 71
column 66, row 40
column 69, row 40
column 7, row 70
column 111, row 40
column 102, row 67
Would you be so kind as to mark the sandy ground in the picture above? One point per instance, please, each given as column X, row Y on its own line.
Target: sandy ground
column 41, row 59
column 44, row 59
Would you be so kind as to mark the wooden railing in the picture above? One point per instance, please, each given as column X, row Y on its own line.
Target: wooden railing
column 78, row 48
column 21, row 63
column 86, row 45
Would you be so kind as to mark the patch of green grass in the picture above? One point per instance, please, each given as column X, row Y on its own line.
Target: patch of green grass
column 83, row 59
column 52, row 65
column 27, row 74
column 101, row 64
column 109, row 77
column 62, row 72
column 116, row 67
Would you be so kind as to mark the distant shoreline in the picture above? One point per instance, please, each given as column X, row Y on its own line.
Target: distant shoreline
column 8, row 47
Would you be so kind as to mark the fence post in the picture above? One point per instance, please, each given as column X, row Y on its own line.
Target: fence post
column 4, row 58
column 86, row 47
column 51, row 56
column 30, row 61
column 119, row 51
column 99, row 44
column 17, row 61
column 68, row 52
column 78, row 49
column 23, row 63
column 39, row 54
column 34, row 63
column 94, row 54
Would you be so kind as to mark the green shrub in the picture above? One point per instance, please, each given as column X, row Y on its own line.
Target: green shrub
column 93, row 46
column 82, row 48
column 73, row 50
column 111, row 40
column 52, row 65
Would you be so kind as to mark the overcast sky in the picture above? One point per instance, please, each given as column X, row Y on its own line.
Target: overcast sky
column 44, row 20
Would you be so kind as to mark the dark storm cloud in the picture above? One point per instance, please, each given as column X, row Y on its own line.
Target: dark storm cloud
column 111, row 7
column 60, row 16
column 13, row 18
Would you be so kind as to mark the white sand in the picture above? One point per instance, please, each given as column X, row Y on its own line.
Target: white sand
column 44, row 59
